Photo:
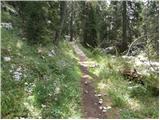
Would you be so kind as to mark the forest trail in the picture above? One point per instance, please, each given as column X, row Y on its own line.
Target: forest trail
column 90, row 102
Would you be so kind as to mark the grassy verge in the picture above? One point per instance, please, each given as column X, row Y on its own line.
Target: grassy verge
column 37, row 81
column 132, row 99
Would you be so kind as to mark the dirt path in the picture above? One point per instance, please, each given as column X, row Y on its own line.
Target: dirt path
column 90, row 102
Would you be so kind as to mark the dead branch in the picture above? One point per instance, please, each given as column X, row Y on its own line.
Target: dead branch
column 133, row 44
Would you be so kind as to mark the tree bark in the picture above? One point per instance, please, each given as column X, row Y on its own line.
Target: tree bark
column 71, row 23
column 124, row 34
column 62, row 17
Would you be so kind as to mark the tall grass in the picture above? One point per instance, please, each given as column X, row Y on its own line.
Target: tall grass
column 133, row 100
column 48, row 86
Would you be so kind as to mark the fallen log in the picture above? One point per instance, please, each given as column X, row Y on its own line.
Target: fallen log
column 132, row 75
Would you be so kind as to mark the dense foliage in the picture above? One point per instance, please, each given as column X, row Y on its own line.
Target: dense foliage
column 97, row 23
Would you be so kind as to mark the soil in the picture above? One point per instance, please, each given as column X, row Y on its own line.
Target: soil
column 90, row 102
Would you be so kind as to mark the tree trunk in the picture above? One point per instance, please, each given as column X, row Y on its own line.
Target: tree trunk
column 71, row 23
column 124, row 34
column 62, row 17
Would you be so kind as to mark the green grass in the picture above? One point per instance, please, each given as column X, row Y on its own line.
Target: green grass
column 49, row 85
column 133, row 100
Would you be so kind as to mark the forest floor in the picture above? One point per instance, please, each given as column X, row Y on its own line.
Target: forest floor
column 108, row 94
column 70, row 81
column 92, row 102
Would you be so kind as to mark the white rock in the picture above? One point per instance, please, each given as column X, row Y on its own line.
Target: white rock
column 48, row 21
column 86, row 82
column 104, row 110
column 86, row 91
column 33, row 85
column 42, row 57
column 43, row 106
column 30, row 90
column 100, row 101
column 99, row 95
column 129, row 82
column 7, row 25
column 55, row 99
column 53, row 52
column 19, row 69
column 7, row 59
column 100, row 107
column 26, row 83
column 130, row 88
column 17, row 73
column 17, row 77
column 49, row 54
column 57, row 90
column 108, row 107
column 67, row 37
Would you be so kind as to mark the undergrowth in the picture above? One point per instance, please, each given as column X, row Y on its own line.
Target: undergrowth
column 37, row 81
column 133, row 100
